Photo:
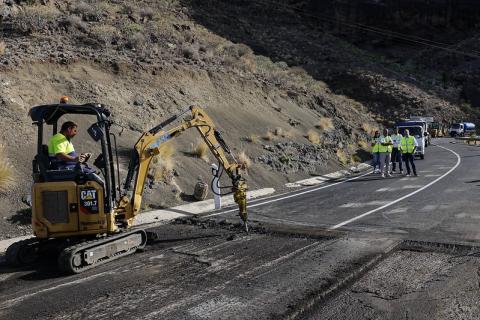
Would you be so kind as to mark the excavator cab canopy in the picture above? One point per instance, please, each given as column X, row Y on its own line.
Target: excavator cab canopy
column 48, row 116
column 50, row 113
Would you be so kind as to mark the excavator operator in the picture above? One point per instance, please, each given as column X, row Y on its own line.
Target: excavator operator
column 61, row 152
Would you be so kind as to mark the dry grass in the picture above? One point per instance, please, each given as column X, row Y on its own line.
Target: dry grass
column 279, row 132
column 167, row 151
column 7, row 175
column 105, row 33
column 163, row 164
column 325, row 124
column 200, row 150
column 351, row 148
column 364, row 145
column 35, row 18
column 244, row 160
column 289, row 133
column 356, row 159
column 368, row 128
column 313, row 137
column 252, row 138
column 164, row 171
column 268, row 136
column 342, row 156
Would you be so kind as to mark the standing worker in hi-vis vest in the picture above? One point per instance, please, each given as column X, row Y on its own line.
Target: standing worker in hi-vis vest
column 408, row 146
column 376, row 152
column 385, row 153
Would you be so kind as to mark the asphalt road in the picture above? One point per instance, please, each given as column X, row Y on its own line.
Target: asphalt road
column 438, row 205
column 354, row 225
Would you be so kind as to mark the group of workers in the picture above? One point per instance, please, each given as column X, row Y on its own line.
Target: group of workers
column 387, row 150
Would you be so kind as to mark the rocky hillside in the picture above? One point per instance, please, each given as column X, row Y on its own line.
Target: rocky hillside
column 295, row 99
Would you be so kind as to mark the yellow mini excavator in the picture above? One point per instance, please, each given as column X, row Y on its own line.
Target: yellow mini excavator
column 87, row 219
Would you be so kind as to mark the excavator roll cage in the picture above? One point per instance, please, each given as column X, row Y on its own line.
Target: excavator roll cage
column 99, row 131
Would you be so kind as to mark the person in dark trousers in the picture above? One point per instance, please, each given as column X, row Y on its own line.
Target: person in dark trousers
column 376, row 152
column 396, row 153
column 408, row 146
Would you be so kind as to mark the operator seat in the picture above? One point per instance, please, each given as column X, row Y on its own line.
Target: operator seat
column 47, row 172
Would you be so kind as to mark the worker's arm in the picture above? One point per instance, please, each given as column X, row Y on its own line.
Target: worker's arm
column 65, row 157
column 387, row 142
column 83, row 157
column 415, row 145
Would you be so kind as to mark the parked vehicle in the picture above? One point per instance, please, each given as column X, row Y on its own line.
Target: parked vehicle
column 461, row 129
column 426, row 123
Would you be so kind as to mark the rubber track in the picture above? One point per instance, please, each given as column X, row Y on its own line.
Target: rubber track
column 12, row 254
column 65, row 259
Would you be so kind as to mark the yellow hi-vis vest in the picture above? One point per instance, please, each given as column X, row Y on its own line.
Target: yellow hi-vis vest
column 408, row 144
column 389, row 147
column 382, row 148
column 376, row 146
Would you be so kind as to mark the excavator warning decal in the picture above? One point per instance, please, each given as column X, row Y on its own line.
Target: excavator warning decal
column 88, row 200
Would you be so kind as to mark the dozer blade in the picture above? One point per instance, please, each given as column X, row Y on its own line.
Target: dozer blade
column 87, row 255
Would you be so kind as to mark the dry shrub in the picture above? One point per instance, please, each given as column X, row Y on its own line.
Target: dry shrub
column 363, row 144
column 147, row 13
column 289, row 133
column 2, row 47
column 236, row 50
column 278, row 132
column 244, row 160
column 313, row 137
column 253, row 138
column 74, row 23
column 164, row 171
column 136, row 41
column 35, row 18
column 190, row 53
column 167, row 150
column 351, row 147
column 268, row 136
column 105, row 33
column 201, row 150
column 325, row 124
column 163, row 164
column 368, row 128
column 356, row 159
column 7, row 177
column 342, row 156
column 93, row 12
column 247, row 63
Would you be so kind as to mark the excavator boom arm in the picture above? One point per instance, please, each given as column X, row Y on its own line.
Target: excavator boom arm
column 150, row 144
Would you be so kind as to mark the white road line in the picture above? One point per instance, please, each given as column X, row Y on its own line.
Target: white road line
column 363, row 204
column 404, row 197
column 290, row 196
